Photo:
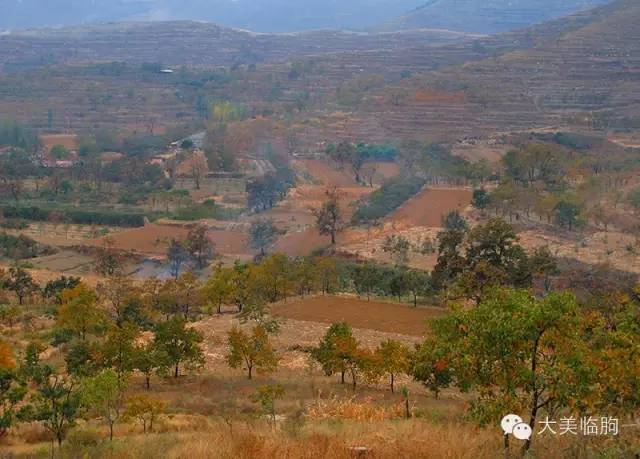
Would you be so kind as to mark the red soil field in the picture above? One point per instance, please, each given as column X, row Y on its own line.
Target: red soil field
column 386, row 169
column 150, row 239
column 359, row 313
column 325, row 174
column 230, row 242
column 440, row 97
column 66, row 140
column 429, row 206
column 300, row 243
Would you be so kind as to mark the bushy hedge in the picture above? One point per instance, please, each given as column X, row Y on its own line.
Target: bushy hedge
column 76, row 216
column 388, row 198
column 21, row 247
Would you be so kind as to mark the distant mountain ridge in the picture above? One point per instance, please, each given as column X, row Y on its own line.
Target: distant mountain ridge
column 486, row 16
column 471, row 16
column 255, row 15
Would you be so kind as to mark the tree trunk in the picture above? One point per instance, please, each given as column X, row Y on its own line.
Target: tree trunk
column 506, row 446
column 250, row 368
column 176, row 371
column 342, row 376
column 148, row 382
column 392, row 381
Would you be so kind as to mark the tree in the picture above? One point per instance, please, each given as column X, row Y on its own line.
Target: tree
column 263, row 234
column 272, row 278
column 515, row 352
column 398, row 248
column 453, row 221
column 265, row 191
column 117, row 291
column 391, row 358
column 148, row 360
column 9, row 314
column 177, row 256
column 59, row 152
column 199, row 168
column 187, row 294
column 329, row 217
column 305, row 275
column 55, row 403
column 118, row 349
column 55, row 288
column 180, row 344
column 338, row 352
column 417, row 283
column 480, row 198
column 543, row 264
column 82, row 358
column 12, row 393
column 103, row 396
column 109, row 261
column 219, row 287
column 366, row 278
column 495, row 243
column 79, row 312
column 267, row 395
column 450, row 261
column 429, row 365
column 251, row 350
column 567, row 214
column 21, row 283
column 199, row 245
column 328, row 273
column 145, row 409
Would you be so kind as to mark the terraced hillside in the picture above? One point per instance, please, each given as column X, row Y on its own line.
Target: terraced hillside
column 190, row 43
column 582, row 71
column 486, row 16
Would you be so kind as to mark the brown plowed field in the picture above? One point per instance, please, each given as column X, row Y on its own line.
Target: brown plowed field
column 429, row 206
column 325, row 174
column 230, row 242
column 300, row 243
column 150, row 239
column 359, row 313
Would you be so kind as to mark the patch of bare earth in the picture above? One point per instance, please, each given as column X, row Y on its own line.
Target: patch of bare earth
column 359, row 313
column 306, row 320
column 429, row 206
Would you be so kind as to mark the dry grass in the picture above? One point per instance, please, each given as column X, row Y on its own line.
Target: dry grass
column 415, row 438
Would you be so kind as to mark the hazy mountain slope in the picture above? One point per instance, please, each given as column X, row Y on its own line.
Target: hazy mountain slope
column 192, row 44
column 581, row 71
column 257, row 15
column 486, row 16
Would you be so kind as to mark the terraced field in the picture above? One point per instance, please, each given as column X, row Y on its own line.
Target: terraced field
column 359, row 313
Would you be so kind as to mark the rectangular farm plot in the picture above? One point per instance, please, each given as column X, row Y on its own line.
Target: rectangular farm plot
column 428, row 207
column 359, row 313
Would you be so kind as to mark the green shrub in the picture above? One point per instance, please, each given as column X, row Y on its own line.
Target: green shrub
column 388, row 198
column 76, row 216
